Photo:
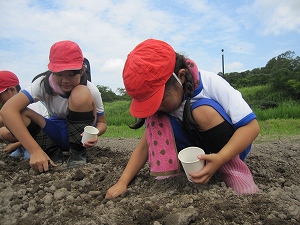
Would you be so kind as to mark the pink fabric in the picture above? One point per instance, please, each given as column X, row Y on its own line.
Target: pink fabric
column 237, row 176
column 194, row 70
column 162, row 151
column 54, row 86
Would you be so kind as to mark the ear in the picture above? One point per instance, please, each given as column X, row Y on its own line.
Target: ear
column 181, row 75
column 83, row 70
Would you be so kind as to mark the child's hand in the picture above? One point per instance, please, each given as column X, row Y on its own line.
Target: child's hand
column 213, row 163
column 40, row 161
column 91, row 142
column 116, row 190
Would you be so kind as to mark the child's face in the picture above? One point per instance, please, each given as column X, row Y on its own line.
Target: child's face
column 172, row 99
column 67, row 80
column 7, row 94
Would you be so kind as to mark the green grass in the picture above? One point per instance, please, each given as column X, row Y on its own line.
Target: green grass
column 265, row 93
column 279, row 122
column 285, row 110
column 269, row 130
column 117, row 113
column 123, row 131
column 269, row 104
column 279, row 128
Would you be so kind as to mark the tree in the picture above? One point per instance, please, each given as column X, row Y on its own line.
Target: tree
column 281, row 72
column 123, row 94
column 107, row 94
column 285, row 73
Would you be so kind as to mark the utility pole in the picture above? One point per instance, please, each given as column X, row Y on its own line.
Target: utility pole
column 222, row 62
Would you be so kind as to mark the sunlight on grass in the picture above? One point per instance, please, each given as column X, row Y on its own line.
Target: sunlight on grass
column 269, row 130
column 280, row 122
column 123, row 131
column 279, row 128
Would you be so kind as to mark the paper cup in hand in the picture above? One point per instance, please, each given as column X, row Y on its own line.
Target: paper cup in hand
column 90, row 132
column 189, row 160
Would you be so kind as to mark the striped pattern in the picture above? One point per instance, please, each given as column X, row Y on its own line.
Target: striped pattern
column 236, row 175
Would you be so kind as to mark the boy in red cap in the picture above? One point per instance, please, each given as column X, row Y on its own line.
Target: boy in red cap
column 181, row 107
column 73, row 103
column 9, row 87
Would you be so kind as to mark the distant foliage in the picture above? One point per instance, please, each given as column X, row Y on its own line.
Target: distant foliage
column 109, row 96
column 272, row 91
column 263, row 97
column 268, row 104
column 281, row 74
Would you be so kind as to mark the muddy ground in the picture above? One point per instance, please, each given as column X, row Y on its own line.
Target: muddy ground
column 76, row 196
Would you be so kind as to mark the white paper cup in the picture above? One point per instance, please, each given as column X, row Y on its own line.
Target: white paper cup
column 90, row 132
column 189, row 160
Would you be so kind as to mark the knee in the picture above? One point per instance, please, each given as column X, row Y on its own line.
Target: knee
column 81, row 98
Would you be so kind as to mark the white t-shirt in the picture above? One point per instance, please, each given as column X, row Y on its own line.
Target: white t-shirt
column 214, row 87
column 40, row 108
column 57, row 105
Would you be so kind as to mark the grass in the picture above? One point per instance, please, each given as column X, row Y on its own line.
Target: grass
column 269, row 130
column 123, row 131
column 279, row 128
column 269, row 104
column 117, row 113
column 285, row 110
column 280, row 122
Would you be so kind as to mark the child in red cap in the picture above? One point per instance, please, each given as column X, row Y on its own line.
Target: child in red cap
column 182, row 106
column 9, row 87
column 73, row 103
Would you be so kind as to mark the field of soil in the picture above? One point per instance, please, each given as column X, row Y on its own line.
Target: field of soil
column 76, row 196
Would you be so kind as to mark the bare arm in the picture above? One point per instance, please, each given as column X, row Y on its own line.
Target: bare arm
column 101, row 124
column 135, row 164
column 239, row 141
column 11, row 114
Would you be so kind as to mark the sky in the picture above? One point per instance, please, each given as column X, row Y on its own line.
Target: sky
column 250, row 32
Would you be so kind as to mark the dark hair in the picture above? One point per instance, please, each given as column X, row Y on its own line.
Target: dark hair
column 40, row 75
column 86, row 62
column 45, row 80
column 188, row 87
column 189, row 123
column 138, row 124
column 18, row 87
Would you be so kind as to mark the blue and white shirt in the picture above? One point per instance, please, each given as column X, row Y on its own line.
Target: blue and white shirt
column 57, row 105
column 213, row 87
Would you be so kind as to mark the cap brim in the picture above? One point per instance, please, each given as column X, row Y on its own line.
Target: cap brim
column 148, row 107
column 2, row 90
column 62, row 67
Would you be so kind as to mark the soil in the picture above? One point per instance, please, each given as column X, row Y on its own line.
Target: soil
column 76, row 196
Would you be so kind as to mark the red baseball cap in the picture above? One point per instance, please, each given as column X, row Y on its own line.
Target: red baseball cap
column 7, row 79
column 147, row 69
column 65, row 55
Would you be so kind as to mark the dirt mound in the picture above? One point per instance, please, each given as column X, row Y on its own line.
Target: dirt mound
column 76, row 196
